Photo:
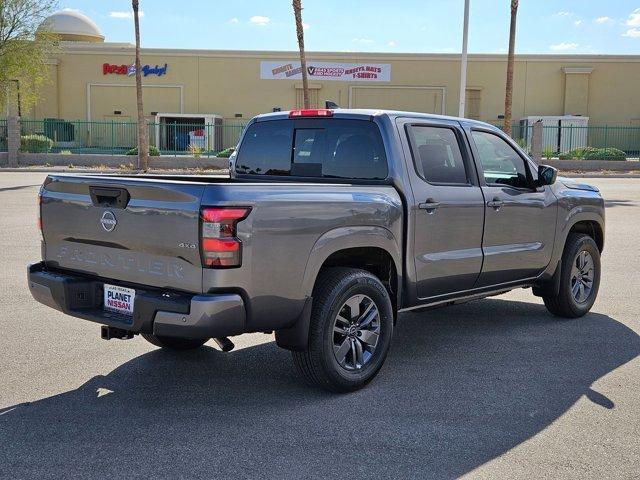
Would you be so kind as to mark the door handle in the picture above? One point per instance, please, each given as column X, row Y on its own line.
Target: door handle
column 109, row 197
column 430, row 205
column 496, row 203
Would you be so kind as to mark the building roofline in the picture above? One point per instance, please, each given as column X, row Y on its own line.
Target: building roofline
column 127, row 49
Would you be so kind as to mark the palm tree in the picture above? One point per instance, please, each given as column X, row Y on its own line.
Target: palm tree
column 143, row 134
column 297, row 11
column 508, row 97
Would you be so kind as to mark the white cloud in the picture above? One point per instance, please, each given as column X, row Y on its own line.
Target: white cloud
column 563, row 13
column 259, row 20
column 125, row 14
column 632, row 33
column 71, row 10
column 305, row 26
column 563, row 46
column 392, row 43
column 234, row 20
column 362, row 40
column 577, row 23
column 603, row 20
column 634, row 18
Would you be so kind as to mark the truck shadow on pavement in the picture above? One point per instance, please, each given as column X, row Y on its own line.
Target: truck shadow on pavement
column 461, row 386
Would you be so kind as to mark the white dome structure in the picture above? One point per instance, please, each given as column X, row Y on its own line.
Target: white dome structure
column 73, row 26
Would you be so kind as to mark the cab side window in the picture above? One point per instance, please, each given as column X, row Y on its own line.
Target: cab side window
column 437, row 155
column 501, row 164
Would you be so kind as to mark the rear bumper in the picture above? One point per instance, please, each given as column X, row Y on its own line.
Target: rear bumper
column 160, row 313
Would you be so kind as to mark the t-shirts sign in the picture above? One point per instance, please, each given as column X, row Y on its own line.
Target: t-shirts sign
column 345, row 72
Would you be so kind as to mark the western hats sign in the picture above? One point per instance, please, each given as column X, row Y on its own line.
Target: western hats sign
column 360, row 72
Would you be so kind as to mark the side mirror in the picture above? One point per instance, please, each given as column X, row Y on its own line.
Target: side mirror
column 547, row 175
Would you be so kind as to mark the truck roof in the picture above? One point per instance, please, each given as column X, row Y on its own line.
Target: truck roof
column 363, row 113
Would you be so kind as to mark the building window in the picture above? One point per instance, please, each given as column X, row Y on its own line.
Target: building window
column 313, row 97
column 472, row 103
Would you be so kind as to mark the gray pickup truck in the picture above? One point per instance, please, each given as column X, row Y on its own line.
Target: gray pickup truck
column 331, row 222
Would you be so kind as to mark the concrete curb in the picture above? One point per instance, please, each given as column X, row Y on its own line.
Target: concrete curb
column 593, row 165
column 224, row 171
column 114, row 161
column 599, row 175
column 110, row 171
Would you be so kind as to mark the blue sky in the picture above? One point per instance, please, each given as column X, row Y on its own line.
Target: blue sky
column 544, row 26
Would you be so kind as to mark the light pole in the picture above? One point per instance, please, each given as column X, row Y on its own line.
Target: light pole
column 463, row 62
column 18, row 89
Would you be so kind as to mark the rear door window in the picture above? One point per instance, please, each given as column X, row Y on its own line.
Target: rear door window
column 329, row 148
column 437, row 155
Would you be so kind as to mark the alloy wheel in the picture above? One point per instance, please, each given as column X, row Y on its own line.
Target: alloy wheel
column 356, row 330
column 582, row 273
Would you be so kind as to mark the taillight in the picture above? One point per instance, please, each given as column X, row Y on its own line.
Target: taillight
column 314, row 112
column 40, row 213
column 220, row 246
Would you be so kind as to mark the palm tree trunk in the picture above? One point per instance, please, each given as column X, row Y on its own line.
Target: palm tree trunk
column 297, row 11
column 508, row 97
column 143, row 134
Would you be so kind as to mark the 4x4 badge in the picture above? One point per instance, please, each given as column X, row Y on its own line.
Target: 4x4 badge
column 108, row 221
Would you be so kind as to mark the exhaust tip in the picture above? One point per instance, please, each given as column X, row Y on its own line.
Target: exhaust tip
column 224, row 343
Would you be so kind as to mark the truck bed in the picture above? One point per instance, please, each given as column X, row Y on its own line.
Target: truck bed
column 155, row 241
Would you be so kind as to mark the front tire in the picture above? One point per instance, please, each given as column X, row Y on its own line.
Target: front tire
column 174, row 343
column 579, row 278
column 350, row 330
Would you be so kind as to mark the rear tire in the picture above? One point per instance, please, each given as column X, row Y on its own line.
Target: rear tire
column 579, row 278
column 350, row 330
column 174, row 343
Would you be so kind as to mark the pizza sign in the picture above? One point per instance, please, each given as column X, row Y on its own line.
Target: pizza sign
column 130, row 70
column 367, row 72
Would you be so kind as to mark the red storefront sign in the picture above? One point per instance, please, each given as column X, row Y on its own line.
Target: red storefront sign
column 108, row 68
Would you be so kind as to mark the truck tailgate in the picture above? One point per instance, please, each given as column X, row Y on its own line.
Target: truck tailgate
column 131, row 230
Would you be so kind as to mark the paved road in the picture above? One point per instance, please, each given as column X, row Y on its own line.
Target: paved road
column 491, row 388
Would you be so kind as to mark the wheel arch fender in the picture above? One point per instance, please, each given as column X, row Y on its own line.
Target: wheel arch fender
column 567, row 222
column 577, row 215
column 344, row 238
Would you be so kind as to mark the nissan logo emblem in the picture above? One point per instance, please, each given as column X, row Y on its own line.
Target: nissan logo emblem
column 108, row 221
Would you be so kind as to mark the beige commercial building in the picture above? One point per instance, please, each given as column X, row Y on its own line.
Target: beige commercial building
column 90, row 79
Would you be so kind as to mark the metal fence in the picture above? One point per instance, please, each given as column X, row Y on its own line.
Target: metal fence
column 562, row 139
column 78, row 136
column 3, row 135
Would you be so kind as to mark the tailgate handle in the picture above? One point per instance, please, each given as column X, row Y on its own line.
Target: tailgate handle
column 109, row 197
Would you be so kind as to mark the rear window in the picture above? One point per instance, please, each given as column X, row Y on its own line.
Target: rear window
column 329, row 148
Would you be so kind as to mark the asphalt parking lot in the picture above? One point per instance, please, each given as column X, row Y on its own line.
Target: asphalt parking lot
column 492, row 388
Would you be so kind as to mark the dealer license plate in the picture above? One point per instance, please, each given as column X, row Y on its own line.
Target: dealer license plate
column 119, row 299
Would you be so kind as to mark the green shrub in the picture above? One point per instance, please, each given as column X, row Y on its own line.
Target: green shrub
column 608, row 153
column 35, row 143
column 548, row 152
column 576, row 153
column 226, row 153
column 153, row 151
